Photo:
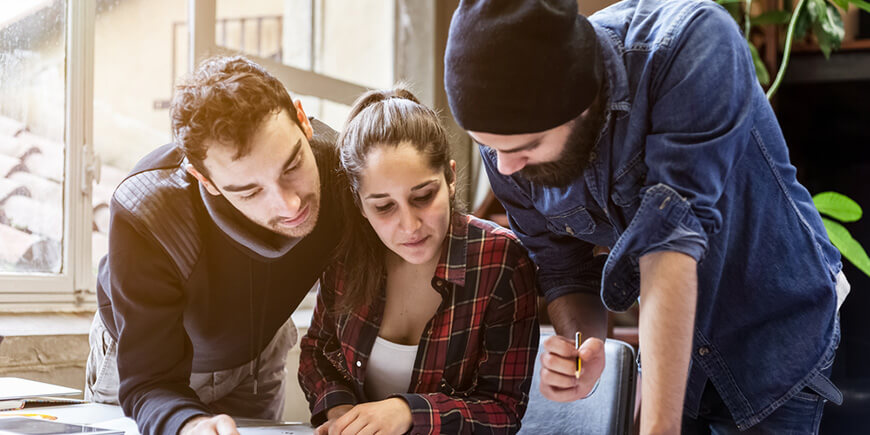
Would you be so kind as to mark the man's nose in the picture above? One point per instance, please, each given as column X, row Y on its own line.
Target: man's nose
column 288, row 203
column 510, row 163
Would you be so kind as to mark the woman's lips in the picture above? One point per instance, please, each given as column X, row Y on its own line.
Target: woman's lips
column 416, row 243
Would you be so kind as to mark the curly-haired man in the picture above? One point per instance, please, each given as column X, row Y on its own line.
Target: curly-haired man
column 214, row 241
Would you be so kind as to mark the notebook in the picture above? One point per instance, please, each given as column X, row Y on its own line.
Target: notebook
column 34, row 426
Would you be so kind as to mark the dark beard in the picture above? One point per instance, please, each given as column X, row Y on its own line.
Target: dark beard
column 574, row 158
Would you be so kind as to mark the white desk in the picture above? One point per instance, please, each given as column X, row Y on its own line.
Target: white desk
column 112, row 417
column 95, row 414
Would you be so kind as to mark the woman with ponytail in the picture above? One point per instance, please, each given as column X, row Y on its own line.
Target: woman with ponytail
column 426, row 322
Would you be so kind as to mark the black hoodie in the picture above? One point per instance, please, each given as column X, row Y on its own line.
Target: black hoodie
column 190, row 284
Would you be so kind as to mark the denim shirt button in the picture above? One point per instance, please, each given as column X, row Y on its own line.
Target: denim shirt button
column 569, row 230
column 359, row 363
column 703, row 351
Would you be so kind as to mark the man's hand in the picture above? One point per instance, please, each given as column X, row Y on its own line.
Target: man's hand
column 559, row 366
column 390, row 416
column 331, row 415
column 203, row 425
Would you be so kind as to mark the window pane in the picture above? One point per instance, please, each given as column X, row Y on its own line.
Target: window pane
column 140, row 51
column 334, row 38
column 333, row 114
column 32, row 101
column 355, row 41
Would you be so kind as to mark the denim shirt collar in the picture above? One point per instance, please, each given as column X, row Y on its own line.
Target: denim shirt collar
column 616, row 74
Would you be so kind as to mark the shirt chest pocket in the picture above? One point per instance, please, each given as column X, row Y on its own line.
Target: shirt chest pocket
column 573, row 223
column 627, row 184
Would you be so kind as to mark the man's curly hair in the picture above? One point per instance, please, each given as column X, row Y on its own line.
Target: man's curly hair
column 225, row 100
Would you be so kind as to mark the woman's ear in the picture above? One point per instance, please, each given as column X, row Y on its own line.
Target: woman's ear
column 452, row 182
column 357, row 203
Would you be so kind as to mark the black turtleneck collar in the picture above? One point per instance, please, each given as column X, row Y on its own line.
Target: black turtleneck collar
column 256, row 241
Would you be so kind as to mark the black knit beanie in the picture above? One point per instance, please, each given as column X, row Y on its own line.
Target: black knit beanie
column 520, row 66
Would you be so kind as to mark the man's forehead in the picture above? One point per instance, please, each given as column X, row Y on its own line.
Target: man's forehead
column 507, row 143
column 275, row 136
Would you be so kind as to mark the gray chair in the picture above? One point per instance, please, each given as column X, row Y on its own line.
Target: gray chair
column 609, row 410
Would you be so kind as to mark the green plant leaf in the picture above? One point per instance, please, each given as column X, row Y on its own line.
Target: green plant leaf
column 804, row 19
column 848, row 246
column 827, row 25
column 772, row 17
column 842, row 4
column 861, row 4
column 760, row 68
column 838, row 206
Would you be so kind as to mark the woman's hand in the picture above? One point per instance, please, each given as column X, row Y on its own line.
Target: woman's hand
column 390, row 416
column 331, row 415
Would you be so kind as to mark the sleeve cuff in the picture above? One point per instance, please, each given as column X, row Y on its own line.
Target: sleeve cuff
column 554, row 293
column 663, row 222
column 588, row 281
column 328, row 400
column 181, row 417
column 424, row 418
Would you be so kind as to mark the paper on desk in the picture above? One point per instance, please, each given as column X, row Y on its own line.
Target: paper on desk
column 84, row 413
column 17, row 388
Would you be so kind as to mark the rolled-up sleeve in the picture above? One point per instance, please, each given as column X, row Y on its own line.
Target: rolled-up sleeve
column 565, row 264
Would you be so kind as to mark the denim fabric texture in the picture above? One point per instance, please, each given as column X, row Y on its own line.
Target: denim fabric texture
column 800, row 415
column 691, row 159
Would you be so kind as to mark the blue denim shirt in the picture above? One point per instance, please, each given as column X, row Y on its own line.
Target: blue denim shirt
column 691, row 159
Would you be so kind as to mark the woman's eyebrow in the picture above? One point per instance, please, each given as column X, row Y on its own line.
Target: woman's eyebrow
column 417, row 187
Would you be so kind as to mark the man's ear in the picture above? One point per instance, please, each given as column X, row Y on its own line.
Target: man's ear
column 203, row 180
column 303, row 120
column 452, row 184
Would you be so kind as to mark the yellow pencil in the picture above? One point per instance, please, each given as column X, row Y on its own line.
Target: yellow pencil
column 577, row 336
column 42, row 416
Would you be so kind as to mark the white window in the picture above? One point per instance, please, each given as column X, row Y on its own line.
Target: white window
column 45, row 82
column 86, row 78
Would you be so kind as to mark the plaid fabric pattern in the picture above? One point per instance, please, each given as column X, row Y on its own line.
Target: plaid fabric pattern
column 476, row 356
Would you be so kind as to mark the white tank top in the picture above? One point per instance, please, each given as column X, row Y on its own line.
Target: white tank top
column 389, row 369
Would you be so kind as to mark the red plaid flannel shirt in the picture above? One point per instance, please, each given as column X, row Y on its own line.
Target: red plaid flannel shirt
column 476, row 356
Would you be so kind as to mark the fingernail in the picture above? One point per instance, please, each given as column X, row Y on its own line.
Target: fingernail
column 577, row 374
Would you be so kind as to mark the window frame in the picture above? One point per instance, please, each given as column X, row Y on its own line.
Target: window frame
column 73, row 285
